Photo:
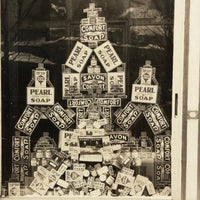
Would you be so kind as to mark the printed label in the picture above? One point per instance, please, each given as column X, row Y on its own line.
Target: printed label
column 139, row 185
column 13, row 189
column 73, row 176
column 146, row 75
column 38, row 186
column 119, row 137
column 20, row 149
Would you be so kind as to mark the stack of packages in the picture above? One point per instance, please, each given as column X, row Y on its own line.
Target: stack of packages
column 120, row 176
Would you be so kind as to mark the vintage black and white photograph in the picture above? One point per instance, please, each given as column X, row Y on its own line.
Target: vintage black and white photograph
column 100, row 99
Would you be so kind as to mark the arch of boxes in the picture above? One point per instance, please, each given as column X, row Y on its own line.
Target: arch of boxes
column 96, row 158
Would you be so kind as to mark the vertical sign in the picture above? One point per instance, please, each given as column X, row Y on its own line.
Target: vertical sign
column 108, row 116
column 80, row 114
column 70, row 84
column 162, row 148
column 116, row 82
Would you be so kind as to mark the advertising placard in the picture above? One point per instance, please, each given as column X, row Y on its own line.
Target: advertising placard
column 162, row 173
column 93, row 81
column 74, row 103
column 128, row 116
column 40, row 96
column 156, row 119
column 93, row 32
column 116, row 82
column 78, row 57
column 60, row 118
column 40, row 78
column 144, row 93
column 21, row 170
column 104, row 102
column 119, row 137
column 70, row 84
column 108, row 56
column 88, row 141
column 162, row 148
column 20, row 149
column 28, row 120
column 109, row 102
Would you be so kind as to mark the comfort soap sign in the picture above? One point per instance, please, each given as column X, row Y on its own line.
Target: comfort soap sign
column 78, row 57
column 144, row 93
column 156, row 119
column 108, row 56
column 28, row 120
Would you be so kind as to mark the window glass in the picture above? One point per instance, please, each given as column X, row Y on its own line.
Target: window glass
column 87, row 97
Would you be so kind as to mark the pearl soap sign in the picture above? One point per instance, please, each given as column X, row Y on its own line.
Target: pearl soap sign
column 78, row 57
column 108, row 56
column 144, row 93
